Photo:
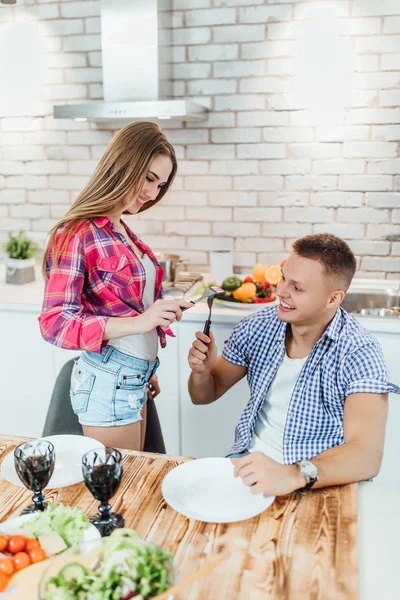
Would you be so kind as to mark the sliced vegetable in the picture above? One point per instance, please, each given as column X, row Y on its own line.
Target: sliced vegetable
column 74, row 572
column 273, row 274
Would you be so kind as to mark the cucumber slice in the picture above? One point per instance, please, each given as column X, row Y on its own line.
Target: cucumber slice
column 72, row 572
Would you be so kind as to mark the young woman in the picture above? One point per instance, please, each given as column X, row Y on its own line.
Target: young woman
column 103, row 288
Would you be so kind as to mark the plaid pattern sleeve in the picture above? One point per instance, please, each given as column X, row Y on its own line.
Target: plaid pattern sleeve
column 64, row 322
column 235, row 350
column 365, row 371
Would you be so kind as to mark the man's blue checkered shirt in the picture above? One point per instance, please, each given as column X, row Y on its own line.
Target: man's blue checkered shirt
column 345, row 360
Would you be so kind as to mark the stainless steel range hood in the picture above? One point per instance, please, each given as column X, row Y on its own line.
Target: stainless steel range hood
column 137, row 67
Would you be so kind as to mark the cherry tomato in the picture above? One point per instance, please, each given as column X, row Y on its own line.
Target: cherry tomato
column 7, row 566
column 3, row 582
column 16, row 543
column 31, row 544
column 3, row 542
column 37, row 554
column 21, row 560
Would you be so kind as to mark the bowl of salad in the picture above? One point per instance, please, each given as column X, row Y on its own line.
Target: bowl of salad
column 120, row 567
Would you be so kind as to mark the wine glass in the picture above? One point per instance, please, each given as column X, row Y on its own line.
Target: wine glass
column 34, row 463
column 102, row 471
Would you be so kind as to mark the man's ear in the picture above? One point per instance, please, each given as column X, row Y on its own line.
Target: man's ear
column 336, row 299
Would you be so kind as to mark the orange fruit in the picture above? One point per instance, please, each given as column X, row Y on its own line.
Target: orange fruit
column 259, row 272
column 273, row 274
column 245, row 292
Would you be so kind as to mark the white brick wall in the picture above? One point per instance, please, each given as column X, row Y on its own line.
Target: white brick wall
column 268, row 165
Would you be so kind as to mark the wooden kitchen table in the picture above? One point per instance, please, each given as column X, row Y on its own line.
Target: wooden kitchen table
column 301, row 548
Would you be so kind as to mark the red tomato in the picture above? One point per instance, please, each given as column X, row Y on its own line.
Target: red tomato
column 3, row 542
column 7, row 566
column 16, row 543
column 248, row 279
column 31, row 544
column 263, row 300
column 3, row 582
column 21, row 561
column 37, row 554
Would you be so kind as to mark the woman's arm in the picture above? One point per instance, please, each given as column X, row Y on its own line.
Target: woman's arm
column 62, row 321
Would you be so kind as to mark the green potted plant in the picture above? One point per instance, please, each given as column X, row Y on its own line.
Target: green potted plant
column 20, row 267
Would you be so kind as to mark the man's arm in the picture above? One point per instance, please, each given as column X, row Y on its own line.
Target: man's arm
column 211, row 377
column 359, row 458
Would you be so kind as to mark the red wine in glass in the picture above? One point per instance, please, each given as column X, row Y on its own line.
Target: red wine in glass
column 102, row 472
column 34, row 463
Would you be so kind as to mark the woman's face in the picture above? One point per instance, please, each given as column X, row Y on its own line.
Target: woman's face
column 157, row 176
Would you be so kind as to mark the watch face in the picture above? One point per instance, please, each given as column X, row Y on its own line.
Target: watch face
column 308, row 469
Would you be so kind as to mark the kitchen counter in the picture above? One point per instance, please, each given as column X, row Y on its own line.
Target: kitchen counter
column 29, row 297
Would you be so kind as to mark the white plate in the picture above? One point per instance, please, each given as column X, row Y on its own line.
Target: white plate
column 69, row 450
column 206, row 489
column 13, row 526
column 246, row 305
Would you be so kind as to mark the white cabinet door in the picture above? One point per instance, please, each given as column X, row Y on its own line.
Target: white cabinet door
column 168, row 401
column 390, row 469
column 208, row 430
column 27, row 374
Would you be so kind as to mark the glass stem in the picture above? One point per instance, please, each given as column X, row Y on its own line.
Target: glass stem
column 104, row 510
column 38, row 500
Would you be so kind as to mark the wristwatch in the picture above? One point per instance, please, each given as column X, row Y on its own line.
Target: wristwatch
column 309, row 471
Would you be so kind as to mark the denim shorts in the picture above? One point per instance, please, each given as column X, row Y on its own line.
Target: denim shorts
column 110, row 388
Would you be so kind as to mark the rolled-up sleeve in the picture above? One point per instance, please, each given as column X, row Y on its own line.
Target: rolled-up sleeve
column 64, row 321
column 236, row 348
column 365, row 370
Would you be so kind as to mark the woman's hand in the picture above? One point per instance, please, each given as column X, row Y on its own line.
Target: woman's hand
column 160, row 314
column 154, row 389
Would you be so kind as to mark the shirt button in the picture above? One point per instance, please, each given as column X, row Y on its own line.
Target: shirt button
column 113, row 266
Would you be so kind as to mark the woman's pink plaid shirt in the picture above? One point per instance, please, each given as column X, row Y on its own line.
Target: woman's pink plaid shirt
column 98, row 276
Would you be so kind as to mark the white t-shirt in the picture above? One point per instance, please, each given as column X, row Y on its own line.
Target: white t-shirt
column 142, row 346
column 271, row 420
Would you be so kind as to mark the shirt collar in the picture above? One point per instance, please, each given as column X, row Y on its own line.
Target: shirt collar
column 335, row 326
column 332, row 331
column 101, row 221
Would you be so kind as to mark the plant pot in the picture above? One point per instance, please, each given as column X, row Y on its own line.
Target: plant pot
column 20, row 270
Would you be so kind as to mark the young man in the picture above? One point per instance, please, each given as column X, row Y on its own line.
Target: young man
column 318, row 380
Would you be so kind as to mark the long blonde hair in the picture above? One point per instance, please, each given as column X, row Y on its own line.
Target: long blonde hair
column 122, row 168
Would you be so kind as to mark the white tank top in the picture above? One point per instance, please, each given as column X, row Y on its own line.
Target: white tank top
column 271, row 420
column 142, row 346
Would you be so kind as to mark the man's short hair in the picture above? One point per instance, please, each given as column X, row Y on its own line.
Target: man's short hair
column 332, row 252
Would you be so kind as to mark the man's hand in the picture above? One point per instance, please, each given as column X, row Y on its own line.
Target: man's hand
column 153, row 389
column 266, row 476
column 203, row 353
